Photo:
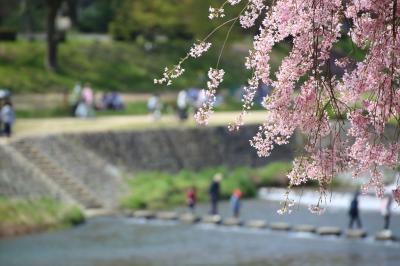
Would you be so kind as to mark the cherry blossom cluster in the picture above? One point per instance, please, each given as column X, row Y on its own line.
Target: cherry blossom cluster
column 206, row 110
column 234, row 2
column 216, row 13
column 199, row 49
column 316, row 84
column 248, row 101
column 252, row 12
column 170, row 74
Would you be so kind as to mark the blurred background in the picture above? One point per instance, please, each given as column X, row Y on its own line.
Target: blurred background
column 91, row 146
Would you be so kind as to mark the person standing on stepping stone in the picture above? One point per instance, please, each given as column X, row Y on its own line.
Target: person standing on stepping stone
column 191, row 198
column 354, row 212
column 386, row 210
column 214, row 193
column 235, row 202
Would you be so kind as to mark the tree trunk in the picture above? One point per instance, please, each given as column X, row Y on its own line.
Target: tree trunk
column 52, row 40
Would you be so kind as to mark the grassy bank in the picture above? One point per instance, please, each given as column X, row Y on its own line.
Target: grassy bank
column 27, row 216
column 111, row 65
column 155, row 190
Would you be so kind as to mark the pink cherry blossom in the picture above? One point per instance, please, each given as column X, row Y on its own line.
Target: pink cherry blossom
column 307, row 93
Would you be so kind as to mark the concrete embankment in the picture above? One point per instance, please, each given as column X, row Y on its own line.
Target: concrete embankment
column 87, row 168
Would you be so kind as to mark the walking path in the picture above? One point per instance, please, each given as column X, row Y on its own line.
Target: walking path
column 37, row 127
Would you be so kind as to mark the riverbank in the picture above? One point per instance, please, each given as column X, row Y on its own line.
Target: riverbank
column 160, row 190
column 21, row 217
column 124, row 241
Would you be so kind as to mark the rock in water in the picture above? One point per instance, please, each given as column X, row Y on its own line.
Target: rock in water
column 329, row 231
column 280, row 226
column 256, row 224
column 232, row 222
column 212, row 219
column 189, row 218
column 144, row 214
column 304, row 228
column 167, row 215
column 356, row 233
column 384, row 235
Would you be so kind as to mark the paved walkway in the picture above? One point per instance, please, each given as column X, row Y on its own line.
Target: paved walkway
column 38, row 127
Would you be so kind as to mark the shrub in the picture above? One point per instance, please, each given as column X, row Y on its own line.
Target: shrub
column 273, row 174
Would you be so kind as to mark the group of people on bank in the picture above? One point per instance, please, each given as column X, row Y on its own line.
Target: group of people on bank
column 214, row 195
column 84, row 102
column 187, row 101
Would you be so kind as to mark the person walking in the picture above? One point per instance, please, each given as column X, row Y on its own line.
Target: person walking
column 191, row 198
column 154, row 106
column 354, row 211
column 7, row 118
column 182, row 104
column 235, row 202
column 386, row 212
column 214, row 193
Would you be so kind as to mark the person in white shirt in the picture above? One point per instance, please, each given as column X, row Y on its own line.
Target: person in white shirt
column 182, row 104
column 8, row 118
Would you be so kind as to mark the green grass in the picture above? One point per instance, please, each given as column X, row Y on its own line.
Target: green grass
column 122, row 66
column 38, row 212
column 273, row 174
column 157, row 190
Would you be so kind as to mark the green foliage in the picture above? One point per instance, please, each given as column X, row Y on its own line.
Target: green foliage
column 107, row 66
column 155, row 190
column 42, row 113
column 172, row 18
column 96, row 16
column 273, row 174
column 149, row 18
column 38, row 212
column 72, row 216
column 158, row 190
column 346, row 47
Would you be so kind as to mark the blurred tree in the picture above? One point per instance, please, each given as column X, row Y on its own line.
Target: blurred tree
column 95, row 16
column 149, row 18
column 174, row 18
column 52, row 38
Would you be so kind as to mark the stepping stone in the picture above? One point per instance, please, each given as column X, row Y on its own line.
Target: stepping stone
column 167, row 216
column 329, row 231
column 304, row 228
column 144, row 214
column 128, row 213
column 232, row 222
column 356, row 233
column 212, row 219
column 384, row 235
column 189, row 218
column 280, row 226
column 256, row 224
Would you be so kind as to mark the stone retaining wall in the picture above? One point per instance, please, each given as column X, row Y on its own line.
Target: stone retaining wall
column 175, row 149
column 98, row 159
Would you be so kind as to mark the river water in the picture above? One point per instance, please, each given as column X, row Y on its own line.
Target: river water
column 121, row 241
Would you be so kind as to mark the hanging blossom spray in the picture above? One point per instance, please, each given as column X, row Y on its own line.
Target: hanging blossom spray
column 305, row 88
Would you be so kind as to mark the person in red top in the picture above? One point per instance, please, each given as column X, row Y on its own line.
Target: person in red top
column 235, row 202
column 191, row 198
